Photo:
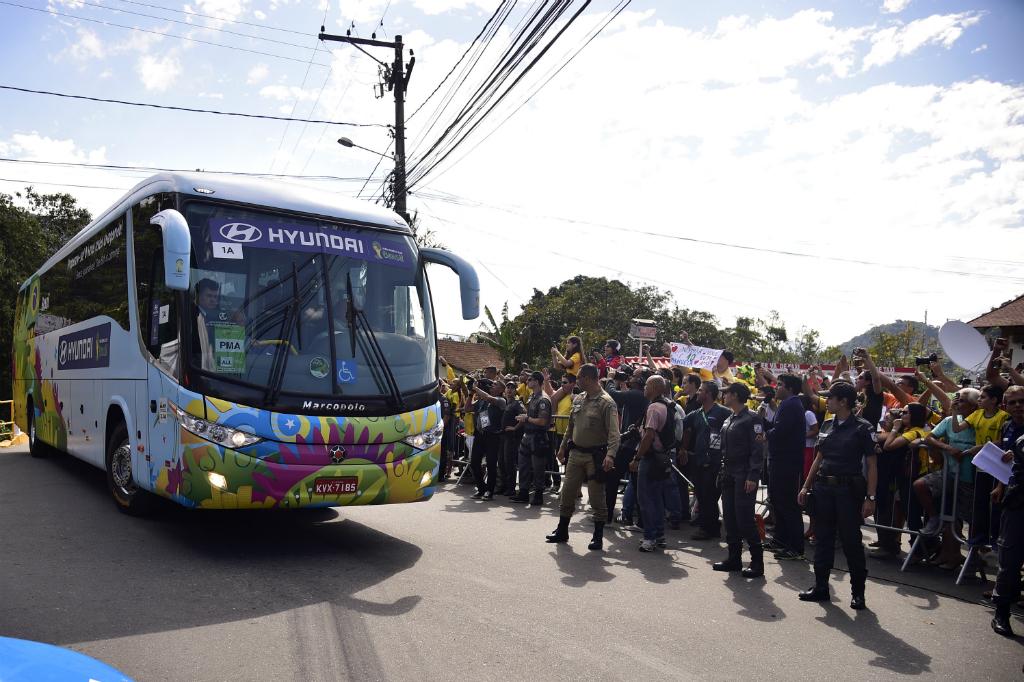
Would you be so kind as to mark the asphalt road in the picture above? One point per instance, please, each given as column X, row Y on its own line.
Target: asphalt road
column 451, row 589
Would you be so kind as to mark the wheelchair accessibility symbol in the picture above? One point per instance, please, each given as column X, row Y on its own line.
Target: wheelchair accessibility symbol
column 346, row 371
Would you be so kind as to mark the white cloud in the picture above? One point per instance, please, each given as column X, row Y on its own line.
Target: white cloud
column 716, row 139
column 441, row 6
column 899, row 41
column 285, row 93
column 262, row 16
column 211, row 95
column 158, row 74
column 36, row 147
column 895, row 6
column 89, row 46
column 980, row 48
column 257, row 74
column 222, row 9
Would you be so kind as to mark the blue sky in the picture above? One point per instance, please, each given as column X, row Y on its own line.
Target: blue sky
column 884, row 137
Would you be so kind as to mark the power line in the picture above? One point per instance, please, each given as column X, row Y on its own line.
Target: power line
column 209, row 16
column 191, row 25
column 189, row 109
column 61, row 184
column 459, row 201
column 107, row 166
column 613, row 14
column 316, row 46
column 54, row 12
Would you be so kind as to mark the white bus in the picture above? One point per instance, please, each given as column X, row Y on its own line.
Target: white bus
column 230, row 343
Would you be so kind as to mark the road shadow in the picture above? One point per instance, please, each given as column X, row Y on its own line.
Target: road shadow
column 659, row 566
column 580, row 568
column 864, row 630
column 796, row 575
column 75, row 569
column 755, row 603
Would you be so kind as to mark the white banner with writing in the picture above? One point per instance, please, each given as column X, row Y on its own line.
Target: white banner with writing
column 688, row 355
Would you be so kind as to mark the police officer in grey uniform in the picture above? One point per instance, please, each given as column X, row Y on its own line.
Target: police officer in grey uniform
column 588, row 452
column 535, row 448
column 742, row 457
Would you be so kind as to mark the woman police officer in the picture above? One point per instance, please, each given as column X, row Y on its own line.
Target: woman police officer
column 839, row 488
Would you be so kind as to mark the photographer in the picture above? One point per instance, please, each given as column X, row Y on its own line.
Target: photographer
column 632, row 405
column 869, row 384
column 488, row 411
column 703, row 451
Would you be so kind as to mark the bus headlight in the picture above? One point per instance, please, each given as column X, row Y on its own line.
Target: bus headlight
column 215, row 433
column 427, row 439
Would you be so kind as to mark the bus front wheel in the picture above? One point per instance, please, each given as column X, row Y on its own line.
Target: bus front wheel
column 129, row 498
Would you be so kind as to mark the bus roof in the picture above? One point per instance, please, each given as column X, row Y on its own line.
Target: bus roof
column 272, row 194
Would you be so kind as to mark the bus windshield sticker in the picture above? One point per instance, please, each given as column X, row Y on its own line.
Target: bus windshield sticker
column 317, row 239
column 85, row 349
column 227, row 250
column 229, row 348
column 346, row 371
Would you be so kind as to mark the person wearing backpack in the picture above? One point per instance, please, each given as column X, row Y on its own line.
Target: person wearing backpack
column 653, row 462
column 742, row 459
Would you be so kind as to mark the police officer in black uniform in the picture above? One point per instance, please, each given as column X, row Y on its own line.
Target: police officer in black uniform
column 742, row 441
column 535, row 448
column 837, row 486
column 1011, row 521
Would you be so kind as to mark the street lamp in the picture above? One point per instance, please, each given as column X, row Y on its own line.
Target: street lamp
column 345, row 142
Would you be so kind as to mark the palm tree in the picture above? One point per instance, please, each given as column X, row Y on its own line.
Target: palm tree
column 502, row 337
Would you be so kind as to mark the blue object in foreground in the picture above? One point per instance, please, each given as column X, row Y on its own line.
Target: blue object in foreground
column 25, row 661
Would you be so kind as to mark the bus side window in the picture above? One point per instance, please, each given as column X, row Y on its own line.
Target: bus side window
column 157, row 309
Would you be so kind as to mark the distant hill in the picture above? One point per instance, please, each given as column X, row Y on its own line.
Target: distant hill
column 931, row 335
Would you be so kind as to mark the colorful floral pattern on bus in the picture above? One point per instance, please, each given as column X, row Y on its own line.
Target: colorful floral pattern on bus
column 283, row 473
column 29, row 354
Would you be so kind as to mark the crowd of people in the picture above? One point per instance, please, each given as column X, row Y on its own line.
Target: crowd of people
column 843, row 449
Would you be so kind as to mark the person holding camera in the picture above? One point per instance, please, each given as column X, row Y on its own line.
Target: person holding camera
column 588, row 452
column 573, row 358
column 511, row 437
column 488, row 411
column 1011, row 520
column 898, row 465
column 742, row 459
column 703, row 449
column 842, row 496
column 632, row 405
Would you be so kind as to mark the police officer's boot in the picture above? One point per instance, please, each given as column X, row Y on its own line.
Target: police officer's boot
column 1001, row 619
column 561, row 533
column 820, row 590
column 733, row 562
column 857, row 587
column 756, row 568
column 596, row 543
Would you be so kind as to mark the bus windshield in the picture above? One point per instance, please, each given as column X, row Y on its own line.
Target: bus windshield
column 306, row 307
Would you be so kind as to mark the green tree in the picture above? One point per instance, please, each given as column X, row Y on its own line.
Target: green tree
column 898, row 349
column 28, row 236
column 502, row 336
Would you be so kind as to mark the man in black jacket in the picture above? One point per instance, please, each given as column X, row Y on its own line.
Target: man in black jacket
column 703, row 441
column 490, row 406
column 742, row 457
column 786, row 436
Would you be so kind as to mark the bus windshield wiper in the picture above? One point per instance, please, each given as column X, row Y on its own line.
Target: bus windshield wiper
column 280, row 359
column 376, row 354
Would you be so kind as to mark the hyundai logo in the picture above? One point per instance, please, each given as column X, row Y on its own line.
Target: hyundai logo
column 240, row 232
column 337, row 454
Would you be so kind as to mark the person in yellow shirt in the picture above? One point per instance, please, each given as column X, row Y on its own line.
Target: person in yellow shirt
column 906, row 439
column 573, row 358
column 562, row 401
column 523, row 391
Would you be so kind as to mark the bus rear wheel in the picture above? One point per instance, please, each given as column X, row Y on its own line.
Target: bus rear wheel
column 129, row 498
column 36, row 447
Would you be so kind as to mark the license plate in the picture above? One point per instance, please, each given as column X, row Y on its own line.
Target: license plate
column 336, row 486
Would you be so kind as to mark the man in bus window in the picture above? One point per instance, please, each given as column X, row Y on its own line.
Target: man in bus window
column 208, row 304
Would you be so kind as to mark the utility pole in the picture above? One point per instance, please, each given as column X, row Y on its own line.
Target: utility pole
column 397, row 79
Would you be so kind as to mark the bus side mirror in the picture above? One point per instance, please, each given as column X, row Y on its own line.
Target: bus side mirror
column 177, row 247
column 469, row 283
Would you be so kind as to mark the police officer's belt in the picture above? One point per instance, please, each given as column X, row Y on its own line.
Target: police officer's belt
column 592, row 450
column 839, row 480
